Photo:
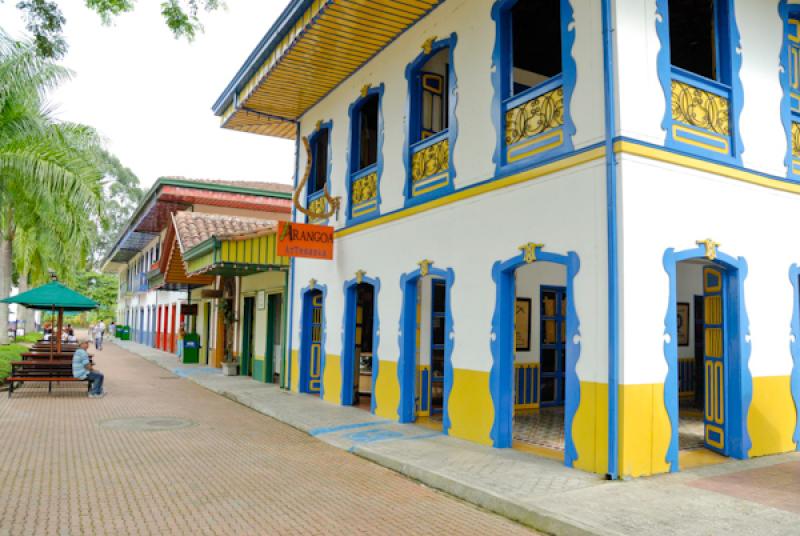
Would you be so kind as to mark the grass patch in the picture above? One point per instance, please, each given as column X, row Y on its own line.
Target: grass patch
column 8, row 354
column 30, row 337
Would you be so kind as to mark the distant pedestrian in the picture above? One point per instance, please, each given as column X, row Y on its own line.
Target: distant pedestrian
column 181, row 335
column 112, row 329
column 83, row 369
column 99, row 328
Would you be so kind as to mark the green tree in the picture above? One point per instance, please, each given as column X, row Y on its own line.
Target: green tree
column 45, row 20
column 51, row 173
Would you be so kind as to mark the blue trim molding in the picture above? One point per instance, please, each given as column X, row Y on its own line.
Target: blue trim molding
column 368, row 208
column 501, row 376
column 554, row 139
column 794, row 278
column 305, row 338
column 407, row 364
column 790, row 82
column 348, row 338
column 439, row 182
column 717, row 136
column 738, row 380
column 318, row 196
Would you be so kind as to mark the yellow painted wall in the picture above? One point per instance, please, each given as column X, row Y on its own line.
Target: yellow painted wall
column 590, row 428
column 332, row 379
column 387, row 390
column 772, row 416
column 470, row 406
column 644, row 430
column 295, row 372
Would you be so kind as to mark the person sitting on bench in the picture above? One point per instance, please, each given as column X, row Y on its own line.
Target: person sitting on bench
column 83, row 369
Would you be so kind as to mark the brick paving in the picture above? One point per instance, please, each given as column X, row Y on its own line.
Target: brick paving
column 71, row 465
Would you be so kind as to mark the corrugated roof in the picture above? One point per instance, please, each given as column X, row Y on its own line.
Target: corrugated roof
column 196, row 227
column 312, row 47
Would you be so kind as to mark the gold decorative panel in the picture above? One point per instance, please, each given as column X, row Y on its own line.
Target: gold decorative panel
column 430, row 161
column 365, row 189
column 796, row 139
column 700, row 108
column 538, row 115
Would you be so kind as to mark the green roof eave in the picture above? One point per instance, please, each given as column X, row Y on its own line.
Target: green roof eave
column 200, row 249
column 169, row 181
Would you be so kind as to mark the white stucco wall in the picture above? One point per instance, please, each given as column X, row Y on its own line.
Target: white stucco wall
column 666, row 206
column 565, row 211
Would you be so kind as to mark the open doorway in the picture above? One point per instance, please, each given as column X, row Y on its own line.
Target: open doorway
column 360, row 341
column 274, row 337
column 704, row 329
column 540, row 347
column 246, row 368
column 431, row 314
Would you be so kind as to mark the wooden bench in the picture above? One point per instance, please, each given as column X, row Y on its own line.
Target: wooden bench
column 49, row 371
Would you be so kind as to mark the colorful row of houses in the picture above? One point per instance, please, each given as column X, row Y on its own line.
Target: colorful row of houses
column 563, row 226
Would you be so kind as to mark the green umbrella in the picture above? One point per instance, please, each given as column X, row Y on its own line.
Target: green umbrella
column 53, row 296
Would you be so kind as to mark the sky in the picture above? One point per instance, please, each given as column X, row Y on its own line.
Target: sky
column 150, row 95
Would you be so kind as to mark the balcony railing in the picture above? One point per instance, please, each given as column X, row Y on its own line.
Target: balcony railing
column 430, row 163
column 364, row 192
column 534, row 120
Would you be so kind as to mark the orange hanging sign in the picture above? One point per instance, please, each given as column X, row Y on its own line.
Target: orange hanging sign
column 305, row 240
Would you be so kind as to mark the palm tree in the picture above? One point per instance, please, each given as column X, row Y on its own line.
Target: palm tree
column 51, row 173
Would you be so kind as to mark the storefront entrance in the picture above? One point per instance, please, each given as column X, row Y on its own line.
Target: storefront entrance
column 708, row 381
column 535, row 351
column 426, row 345
column 246, row 368
column 312, row 343
column 360, row 343
column 274, row 350
column 702, row 348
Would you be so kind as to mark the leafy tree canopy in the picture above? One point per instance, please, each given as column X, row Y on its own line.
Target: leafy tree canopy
column 45, row 20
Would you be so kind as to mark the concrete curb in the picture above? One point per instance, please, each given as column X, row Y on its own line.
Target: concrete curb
column 537, row 518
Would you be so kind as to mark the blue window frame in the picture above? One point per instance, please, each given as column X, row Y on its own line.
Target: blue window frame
column 534, row 78
column 431, row 125
column 365, row 161
column 790, row 79
column 320, row 146
column 699, row 70
column 552, row 345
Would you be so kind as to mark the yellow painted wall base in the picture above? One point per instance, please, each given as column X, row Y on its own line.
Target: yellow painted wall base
column 772, row 416
column 470, row 406
column 387, row 390
column 644, row 430
column 295, row 372
column 332, row 379
column 590, row 428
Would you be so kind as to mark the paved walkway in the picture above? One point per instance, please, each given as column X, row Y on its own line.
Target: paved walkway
column 759, row 496
column 160, row 455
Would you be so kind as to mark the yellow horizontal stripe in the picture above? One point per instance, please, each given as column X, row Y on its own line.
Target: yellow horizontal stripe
column 523, row 176
column 701, row 165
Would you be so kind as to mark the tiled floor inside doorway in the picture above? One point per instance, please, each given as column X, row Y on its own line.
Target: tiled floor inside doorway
column 543, row 427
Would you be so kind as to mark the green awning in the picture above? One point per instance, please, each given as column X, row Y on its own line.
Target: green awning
column 53, row 295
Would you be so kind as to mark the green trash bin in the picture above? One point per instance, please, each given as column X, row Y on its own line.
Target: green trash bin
column 125, row 334
column 191, row 348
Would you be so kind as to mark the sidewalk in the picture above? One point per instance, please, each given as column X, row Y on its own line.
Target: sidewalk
column 758, row 496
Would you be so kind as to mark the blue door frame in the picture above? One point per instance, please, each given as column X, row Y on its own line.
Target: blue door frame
column 407, row 364
column 501, row 378
column 348, row 337
column 738, row 381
